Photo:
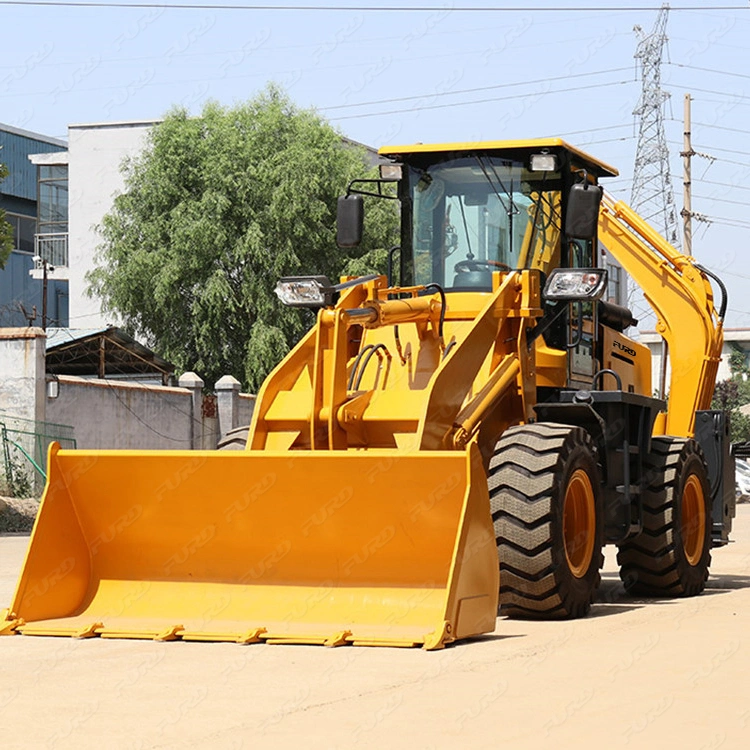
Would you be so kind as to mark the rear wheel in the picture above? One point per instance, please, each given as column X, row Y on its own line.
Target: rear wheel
column 671, row 556
column 545, row 500
column 234, row 440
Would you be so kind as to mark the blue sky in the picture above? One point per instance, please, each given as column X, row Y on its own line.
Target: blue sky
column 455, row 76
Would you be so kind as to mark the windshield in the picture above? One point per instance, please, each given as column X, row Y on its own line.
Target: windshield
column 478, row 214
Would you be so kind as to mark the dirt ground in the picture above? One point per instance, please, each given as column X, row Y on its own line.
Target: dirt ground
column 634, row 674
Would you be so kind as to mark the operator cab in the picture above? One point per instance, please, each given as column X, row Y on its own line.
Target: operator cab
column 474, row 208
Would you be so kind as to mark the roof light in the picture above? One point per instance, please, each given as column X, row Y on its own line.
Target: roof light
column 391, row 172
column 543, row 162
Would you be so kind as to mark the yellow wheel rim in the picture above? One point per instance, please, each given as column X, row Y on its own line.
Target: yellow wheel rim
column 579, row 523
column 693, row 519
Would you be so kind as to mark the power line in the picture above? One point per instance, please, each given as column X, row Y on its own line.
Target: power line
column 708, row 91
column 724, row 150
column 371, row 8
column 723, row 184
column 588, row 130
column 716, row 127
column 736, row 223
column 311, row 45
column 473, row 90
column 150, row 83
column 722, row 199
column 709, row 70
column 477, row 101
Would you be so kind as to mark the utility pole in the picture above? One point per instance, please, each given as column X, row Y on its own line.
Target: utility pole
column 44, row 295
column 687, row 211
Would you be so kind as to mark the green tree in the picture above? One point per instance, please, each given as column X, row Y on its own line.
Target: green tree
column 733, row 393
column 6, row 230
column 214, row 211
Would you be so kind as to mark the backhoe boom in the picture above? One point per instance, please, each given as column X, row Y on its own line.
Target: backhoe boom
column 680, row 295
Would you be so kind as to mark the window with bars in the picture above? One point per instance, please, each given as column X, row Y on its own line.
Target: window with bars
column 53, row 199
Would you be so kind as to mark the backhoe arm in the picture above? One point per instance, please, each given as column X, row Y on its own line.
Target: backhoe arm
column 680, row 294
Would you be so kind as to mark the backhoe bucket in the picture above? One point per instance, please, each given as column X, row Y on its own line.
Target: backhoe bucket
column 369, row 548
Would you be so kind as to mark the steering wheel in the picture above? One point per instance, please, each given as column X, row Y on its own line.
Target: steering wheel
column 466, row 266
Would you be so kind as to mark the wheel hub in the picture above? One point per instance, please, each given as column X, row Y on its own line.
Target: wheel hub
column 579, row 523
column 693, row 519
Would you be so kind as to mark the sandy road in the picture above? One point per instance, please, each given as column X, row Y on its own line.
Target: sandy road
column 634, row 674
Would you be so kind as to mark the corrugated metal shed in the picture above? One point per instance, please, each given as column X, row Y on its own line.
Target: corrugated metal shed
column 16, row 145
column 107, row 352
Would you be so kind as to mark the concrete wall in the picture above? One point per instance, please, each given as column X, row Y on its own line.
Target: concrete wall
column 22, row 373
column 96, row 153
column 245, row 406
column 111, row 414
column 115, row 414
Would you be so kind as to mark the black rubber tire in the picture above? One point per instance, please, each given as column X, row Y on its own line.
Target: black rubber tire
column 654, row 563
column 234, row 440
column 529, row 474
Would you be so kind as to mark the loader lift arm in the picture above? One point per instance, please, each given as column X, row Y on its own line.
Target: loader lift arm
column 680, row 294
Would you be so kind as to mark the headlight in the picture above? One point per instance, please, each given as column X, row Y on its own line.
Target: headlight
column 573, row 284
column 303, row 291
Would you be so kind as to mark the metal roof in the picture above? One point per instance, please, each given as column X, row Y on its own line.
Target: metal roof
column 16, row 145
column 602, row 169
column 104, row 352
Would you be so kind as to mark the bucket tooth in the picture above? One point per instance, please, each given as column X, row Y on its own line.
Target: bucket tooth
column 338, row 639
column 89, row 631
column 8, row 622
column 172, row 633
column 252, row 636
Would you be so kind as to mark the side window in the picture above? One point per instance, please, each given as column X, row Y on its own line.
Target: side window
column 23, row 232
column 581, row 254
column 542, row 239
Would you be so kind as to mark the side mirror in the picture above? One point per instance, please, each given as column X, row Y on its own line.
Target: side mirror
column 582, row 214
column 350, row 217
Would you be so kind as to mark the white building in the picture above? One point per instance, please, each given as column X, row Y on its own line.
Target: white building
column 92, row 168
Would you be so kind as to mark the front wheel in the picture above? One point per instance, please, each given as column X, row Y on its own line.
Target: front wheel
column 545, row 499
column 235, row 439
column 671, row 556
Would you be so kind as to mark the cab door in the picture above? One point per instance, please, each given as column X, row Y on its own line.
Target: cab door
column 581, row 324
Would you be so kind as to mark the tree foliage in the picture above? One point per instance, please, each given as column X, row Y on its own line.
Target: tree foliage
column 217, row 208
column 731, row 394
column 6, row 231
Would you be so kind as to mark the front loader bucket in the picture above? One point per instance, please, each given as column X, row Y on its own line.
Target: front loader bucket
column 370, row 548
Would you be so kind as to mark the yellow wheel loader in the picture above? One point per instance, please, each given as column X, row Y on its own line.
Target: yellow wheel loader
column 468, row 434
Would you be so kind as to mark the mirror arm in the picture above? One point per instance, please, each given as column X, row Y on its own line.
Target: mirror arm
column 351, row 190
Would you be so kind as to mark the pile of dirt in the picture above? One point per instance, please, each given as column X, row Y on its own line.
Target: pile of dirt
column 17, row 514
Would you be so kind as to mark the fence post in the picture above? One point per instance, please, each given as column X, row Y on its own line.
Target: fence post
column 227, row 406
column 194, row 384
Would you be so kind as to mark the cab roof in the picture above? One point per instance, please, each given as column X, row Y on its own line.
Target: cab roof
column 600, row 168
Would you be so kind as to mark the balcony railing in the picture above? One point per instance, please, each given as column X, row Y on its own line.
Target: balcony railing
column 52, row 247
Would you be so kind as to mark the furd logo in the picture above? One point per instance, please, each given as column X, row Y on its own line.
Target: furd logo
column 624, row 349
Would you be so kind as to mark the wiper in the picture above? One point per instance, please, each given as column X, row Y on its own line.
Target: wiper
column 469, row 254
column 535, row 224
column 509, row 211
